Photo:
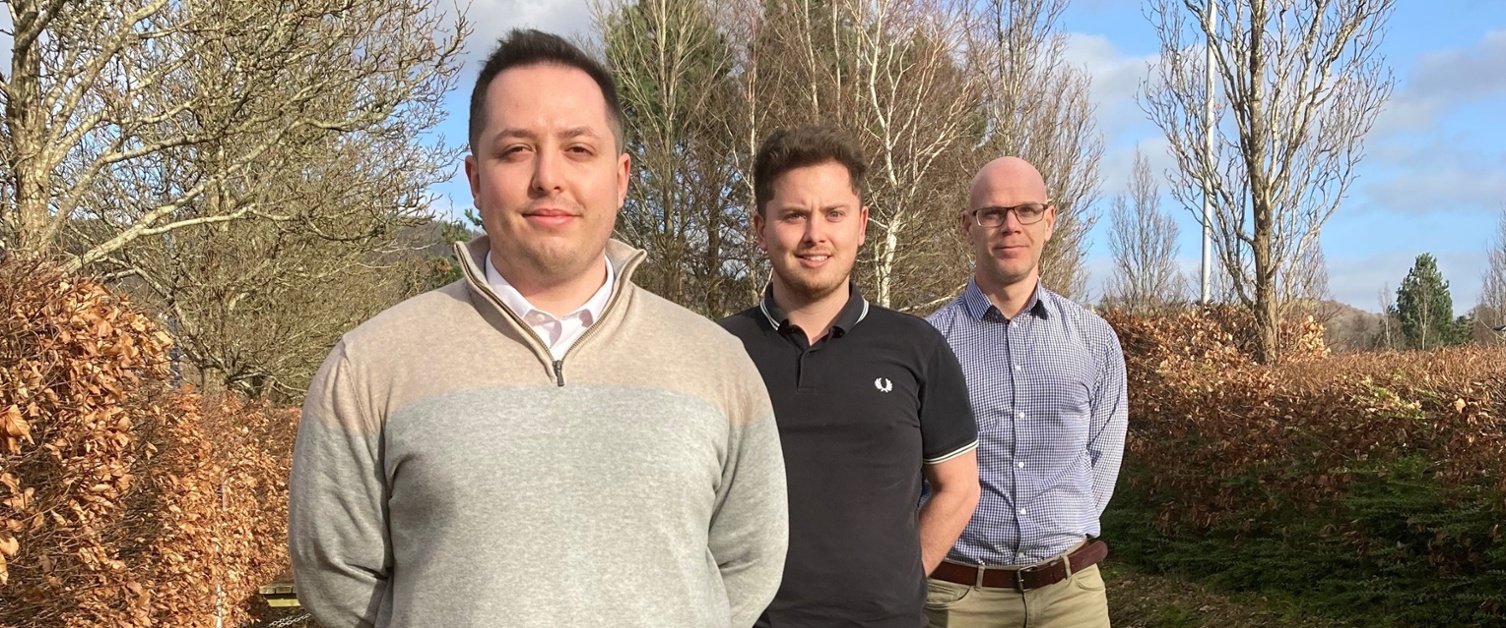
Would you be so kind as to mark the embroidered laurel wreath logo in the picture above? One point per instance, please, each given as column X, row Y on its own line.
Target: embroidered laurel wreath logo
column 883, row 385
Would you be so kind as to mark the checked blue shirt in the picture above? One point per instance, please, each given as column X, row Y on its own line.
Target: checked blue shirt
column 1047, row 388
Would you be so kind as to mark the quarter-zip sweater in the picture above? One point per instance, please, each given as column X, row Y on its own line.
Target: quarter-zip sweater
column 450, row 472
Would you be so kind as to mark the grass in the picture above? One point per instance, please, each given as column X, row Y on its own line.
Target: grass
column 1139, row 599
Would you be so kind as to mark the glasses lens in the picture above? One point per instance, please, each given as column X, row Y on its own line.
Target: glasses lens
column 1029, row 213
column 994, row 216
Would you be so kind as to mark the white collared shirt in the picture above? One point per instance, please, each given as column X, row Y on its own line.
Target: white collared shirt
column 558, row 332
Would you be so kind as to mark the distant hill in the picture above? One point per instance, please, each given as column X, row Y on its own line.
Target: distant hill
column 1348, row 328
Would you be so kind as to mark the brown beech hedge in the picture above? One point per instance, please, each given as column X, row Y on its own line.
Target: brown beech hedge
column 125, row 501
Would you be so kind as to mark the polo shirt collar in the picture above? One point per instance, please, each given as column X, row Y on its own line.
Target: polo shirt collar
column 977, row 303
column 852, row 313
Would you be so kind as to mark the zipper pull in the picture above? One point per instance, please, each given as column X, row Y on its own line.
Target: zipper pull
column 559, row 372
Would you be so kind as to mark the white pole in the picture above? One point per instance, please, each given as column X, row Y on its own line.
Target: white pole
column 1207, row 296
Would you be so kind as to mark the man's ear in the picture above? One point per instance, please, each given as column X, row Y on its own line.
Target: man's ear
column 473, row 177
column 863, row 233
column 624, row 167
column 758, row 229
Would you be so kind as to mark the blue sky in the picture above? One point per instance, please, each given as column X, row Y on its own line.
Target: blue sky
column 1433, row 181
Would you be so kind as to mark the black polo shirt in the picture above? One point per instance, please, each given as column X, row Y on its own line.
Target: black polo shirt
column 859, row 413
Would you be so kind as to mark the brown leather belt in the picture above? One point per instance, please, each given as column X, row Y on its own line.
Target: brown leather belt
column 1025, row 578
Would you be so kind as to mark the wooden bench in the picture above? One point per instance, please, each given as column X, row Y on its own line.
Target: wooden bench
column 281, row 594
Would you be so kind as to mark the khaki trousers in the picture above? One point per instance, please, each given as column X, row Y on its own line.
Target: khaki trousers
column 1077, row 602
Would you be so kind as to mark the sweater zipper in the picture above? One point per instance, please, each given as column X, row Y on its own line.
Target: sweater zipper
column 559, row 365
column 507, row 311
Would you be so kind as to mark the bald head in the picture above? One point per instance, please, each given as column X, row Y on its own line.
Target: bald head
column 1006, row 182
column 1007, row 252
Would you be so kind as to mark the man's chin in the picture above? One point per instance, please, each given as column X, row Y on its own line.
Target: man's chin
column 555, row 265
column 810, row 289
column 1008, row 276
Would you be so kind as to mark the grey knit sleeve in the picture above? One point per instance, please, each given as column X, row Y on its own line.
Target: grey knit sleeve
column 337, row 519
column 750, row 526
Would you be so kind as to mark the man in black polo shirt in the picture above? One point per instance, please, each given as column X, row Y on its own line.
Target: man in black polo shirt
column 868, row 402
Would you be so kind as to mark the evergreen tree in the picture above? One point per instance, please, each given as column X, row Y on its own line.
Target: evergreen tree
column 1426, row 308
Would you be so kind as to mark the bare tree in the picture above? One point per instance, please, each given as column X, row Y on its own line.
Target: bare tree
column 253, row 172
column 913, row 107
column 674, row 71
column 900, row 75
column 255, row 305
column 1388, row 336
column 1306, row 280
column 886, row 71
column 1299, row 85
column 100, row 93
column 1303, row 287
column 1036, row 107
column 1143, row 240
column 1491, row 311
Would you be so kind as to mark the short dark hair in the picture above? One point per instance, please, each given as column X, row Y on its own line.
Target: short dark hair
column 521, row 48
column 798, row 147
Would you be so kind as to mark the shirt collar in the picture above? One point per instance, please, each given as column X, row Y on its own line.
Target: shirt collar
column 852, row 313
column 978, row 304
column 589, row 313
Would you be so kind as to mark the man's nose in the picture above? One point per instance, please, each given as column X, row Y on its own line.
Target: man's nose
column 546, row 173
column 1011, row 222
column 815, row 229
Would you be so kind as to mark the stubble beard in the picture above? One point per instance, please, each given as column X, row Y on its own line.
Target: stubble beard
column 552, row 265
column 813, row 287
column 1003, row 277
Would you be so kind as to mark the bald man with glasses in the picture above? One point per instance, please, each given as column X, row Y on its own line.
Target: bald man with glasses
column 1047, row 384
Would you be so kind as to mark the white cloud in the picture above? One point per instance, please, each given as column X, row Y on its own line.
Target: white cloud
column 1116, row 80
column 1407, row 113
column 1118, row 163
column 1444, row 79
column 1101, row 269
column 493, row 18
column 1417, row 160
column 1475, row 72
column 1439, row 174
column 1363, row 281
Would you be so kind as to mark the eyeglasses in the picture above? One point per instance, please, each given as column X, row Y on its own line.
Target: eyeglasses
column 1027, row 214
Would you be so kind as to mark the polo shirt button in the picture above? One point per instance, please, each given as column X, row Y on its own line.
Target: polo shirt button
column 1020, row 465
column 1022, row 511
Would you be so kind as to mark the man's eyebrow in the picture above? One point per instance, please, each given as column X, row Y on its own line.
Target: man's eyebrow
column 579, row 131
column 526, row 134
column 508, row 133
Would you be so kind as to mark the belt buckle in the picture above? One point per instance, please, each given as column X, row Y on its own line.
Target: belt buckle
column 1019, row 574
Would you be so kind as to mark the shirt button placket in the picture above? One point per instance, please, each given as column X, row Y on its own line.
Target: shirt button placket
column 1015, row 399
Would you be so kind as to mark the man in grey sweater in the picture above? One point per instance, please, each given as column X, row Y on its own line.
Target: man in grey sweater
column 542, row 443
